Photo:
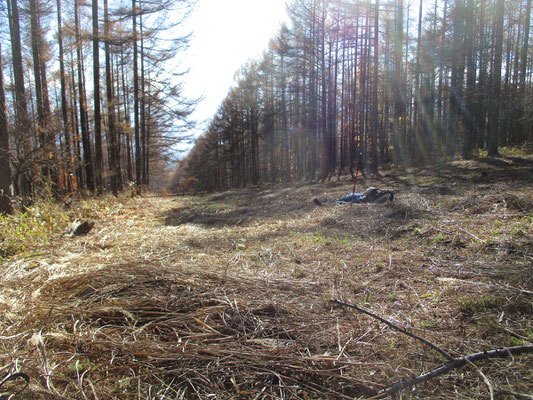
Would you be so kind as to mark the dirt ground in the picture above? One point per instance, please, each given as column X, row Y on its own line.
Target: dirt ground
column 228, row 295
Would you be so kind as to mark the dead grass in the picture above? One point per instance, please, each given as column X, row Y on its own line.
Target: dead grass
column 226, row 296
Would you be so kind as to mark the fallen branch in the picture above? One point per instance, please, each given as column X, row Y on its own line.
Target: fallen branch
column 458, row 363
column 14, row 377
column 393, row 326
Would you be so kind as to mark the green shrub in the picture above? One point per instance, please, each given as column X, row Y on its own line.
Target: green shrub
column 32, row 227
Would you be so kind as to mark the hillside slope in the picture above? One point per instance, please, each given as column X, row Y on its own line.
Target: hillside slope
column 227, row 296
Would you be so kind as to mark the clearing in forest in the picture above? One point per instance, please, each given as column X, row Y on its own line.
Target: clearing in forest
column 228, row 295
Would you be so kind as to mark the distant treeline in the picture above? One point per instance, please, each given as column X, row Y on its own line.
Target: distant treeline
column 85, row 99
column 372, row 83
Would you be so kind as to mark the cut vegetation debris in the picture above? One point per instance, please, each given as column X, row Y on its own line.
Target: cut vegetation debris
column 227, row 296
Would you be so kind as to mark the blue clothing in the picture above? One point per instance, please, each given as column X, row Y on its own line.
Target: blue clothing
column 351, row 198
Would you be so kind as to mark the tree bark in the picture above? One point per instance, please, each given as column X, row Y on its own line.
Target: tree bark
column 375, row 100
column 496, row 77
column 469, row 122
column 112, row 139
column 523, row 70
column 21, row 105
column 142, row 111
column 138, row 150
column 64, row 108
column 98, row 152
column 6, row 184
column 86, row 141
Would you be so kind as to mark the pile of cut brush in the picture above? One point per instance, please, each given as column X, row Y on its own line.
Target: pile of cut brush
column 145, row 332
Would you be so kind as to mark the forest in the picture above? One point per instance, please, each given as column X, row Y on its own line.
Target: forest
column 380, row 83
column 237, row 274
column 91, row 99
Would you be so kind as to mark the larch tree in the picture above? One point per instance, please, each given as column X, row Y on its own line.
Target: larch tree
column 496, row 75
column 5, row 164
column 98, row 149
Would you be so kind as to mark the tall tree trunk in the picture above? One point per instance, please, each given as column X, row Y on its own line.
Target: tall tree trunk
column 374, row 144
column 496, row 77
column 254, row 169
column 144, row 147
column 138, row 150
column 417, row 145
column 456, row 87
column 469, row 122
column 523, row 69
column 64, row 108
column 323, row 103
column 98, row 151
column 86, row 141
column 483, row 90
column 6, row 184
column 112, row 140
column 36, row 47
column 45, row 133
column 75, row 124
column 129, row 150
column 398, row 87
column 21, row 106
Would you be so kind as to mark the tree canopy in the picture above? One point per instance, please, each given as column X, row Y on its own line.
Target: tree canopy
column 89, row 105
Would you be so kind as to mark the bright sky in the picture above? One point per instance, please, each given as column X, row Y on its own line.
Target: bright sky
column 226, row 34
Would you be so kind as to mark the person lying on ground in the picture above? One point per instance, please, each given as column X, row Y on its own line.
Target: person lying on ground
column 372, row 195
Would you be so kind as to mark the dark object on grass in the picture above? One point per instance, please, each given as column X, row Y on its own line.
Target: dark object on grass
column 458, row 363
column 14, row 377
column 372, row 195
column 83, row 229
column 317, row 202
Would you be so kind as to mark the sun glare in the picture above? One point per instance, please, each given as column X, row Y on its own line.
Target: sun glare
column 226, row 34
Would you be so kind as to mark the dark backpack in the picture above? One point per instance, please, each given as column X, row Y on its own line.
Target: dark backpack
column 379, row 196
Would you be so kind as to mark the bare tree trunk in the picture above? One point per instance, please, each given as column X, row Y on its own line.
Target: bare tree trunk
column 6, row 184
column 144, row 147
column 129, row 150
column 36, row 47
column 21, row 105
column 398, row 89
column 64, row 109
column 456, row 88
column 138, row 150
column 523, row 70
column 112, row 140
column 496, row 77
column 76, row 127
column 469, row 122
column 98, row 152
column 87, row 151
column 374, row 144
column 323, row 104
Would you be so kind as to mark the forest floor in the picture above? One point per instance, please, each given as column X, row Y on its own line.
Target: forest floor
column 227, row 296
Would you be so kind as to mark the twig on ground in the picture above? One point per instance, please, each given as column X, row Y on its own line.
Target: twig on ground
column 458, row 363
column 393, row 326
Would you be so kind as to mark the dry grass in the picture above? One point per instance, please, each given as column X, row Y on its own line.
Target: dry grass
column 226, row 296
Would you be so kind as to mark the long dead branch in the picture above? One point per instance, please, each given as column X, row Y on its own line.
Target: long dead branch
column 393, row 326
column 458, row 363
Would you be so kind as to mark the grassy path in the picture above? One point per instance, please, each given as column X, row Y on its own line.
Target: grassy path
column 226, row 296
